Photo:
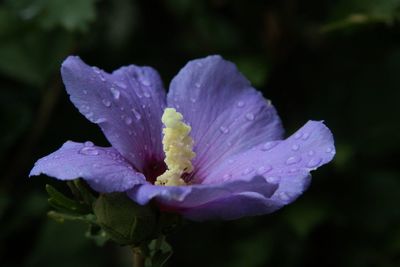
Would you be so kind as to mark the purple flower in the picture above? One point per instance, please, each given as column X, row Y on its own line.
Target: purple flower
column 241, row 166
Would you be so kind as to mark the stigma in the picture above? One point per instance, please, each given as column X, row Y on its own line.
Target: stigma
column 178, row 148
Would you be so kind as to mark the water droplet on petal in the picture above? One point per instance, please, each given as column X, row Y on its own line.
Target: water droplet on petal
column 128, row 121
column 121, row 84
column 145, row 81
column 305, row 136
column 115, row 92
column 101, row 75
column 226, row 177
column 314, row 162
column 268, row 145
column 88, row 143
column 247, row 171
column 311, row 153
column 297, row 136
column 264, row 169
column 96, row 70
column 240, row 104
column 292, row 160
column 197, row 85
column 146, row 94
column 284, row 196
column 106, row 102
column 90, row 151
column 100, row 120
column 137, row 114
column 193, row 100
column 329, row 150
column 273, row 179
column 224, row 129
column 295, row 147
column 84, row 92
column 250, row 116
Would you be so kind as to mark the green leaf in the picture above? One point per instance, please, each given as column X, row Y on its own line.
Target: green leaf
column 65, row 204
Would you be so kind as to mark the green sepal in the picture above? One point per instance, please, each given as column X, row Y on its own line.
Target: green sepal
column 83, row 192
column 61, row 217
column 97, row 234
column 65, row 204
column 124, row 221
column 159, row 252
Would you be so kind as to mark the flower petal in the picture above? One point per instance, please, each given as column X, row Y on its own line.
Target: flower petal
column 227, row 115
column 127, row 105
column 233, row 207
column 182, row 199
column 287, row 163
column 103, row 168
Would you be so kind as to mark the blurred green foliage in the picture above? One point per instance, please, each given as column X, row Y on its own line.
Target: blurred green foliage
column 336, row 60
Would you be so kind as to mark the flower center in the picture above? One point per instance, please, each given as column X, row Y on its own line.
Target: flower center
column 178, row 148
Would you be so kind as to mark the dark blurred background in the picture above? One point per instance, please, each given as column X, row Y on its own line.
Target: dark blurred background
column 336, row 60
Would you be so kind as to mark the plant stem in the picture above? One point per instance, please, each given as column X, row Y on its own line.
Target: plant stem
column 138, row 258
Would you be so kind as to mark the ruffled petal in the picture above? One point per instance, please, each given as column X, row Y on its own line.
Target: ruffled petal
column 127, row 105
column 103, row 168
column 227, row 115
column 185, row 199
column 287, row 163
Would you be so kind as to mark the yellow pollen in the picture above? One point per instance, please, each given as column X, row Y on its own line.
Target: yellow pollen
column 178, row 148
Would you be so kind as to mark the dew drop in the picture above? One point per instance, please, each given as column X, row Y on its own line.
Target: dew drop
column 295, row 147
column 115, row 92
column 329, row 150
column 193, row 100
column 84, row 92
column 106, row 103
column 314, row 162
column 297, row 136
column 145, row 81
column 100, row 120
column 96, row 70
column 250, row 116
column 121, row 84
column 224, row 129
column 311, row 153
column 128, row 121
column 101, row 75
column 146, row 94
column 247, row 171
column 88, row 143
column 197, row 85
column 268, row 145
column 264, row 169
column 137, row 114
column 284, row 196
column 227, row 176
column 292, row 160
column 240, row 104
column 272, row 179
column 305, row 136
column 90, row 151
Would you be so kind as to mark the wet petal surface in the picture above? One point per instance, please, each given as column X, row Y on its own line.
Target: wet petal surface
column 126, row 104
column 227, row 115
column 103, row 168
